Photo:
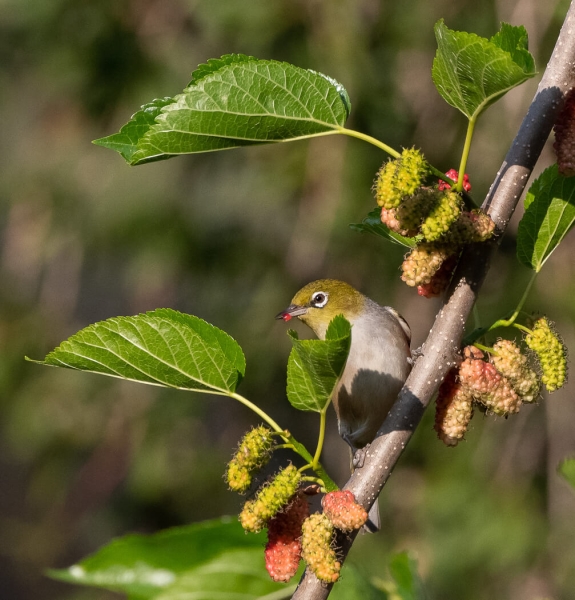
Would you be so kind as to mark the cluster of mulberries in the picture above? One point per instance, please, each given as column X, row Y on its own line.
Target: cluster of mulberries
column 283, row 550
column 500, row 383
column 550, row 351
column 486, row 385
column 280, row 505
column 565, row 136
column 270, row 499
column 436, row 213
column 252, row 454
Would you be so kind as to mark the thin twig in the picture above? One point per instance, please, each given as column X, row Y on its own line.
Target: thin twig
column 443, row 342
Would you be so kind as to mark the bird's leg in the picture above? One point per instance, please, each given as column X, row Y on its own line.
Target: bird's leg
column 415, row 354
column 357, row 454
column 359, row 457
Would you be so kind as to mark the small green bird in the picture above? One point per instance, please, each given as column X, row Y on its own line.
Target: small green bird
column 379, row 359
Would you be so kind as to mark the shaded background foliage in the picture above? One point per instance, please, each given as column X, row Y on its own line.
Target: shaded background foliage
column 230, row 237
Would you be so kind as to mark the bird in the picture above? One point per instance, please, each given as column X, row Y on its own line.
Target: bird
column 377, row 366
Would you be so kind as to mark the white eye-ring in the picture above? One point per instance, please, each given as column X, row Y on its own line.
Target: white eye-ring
column 319, row 299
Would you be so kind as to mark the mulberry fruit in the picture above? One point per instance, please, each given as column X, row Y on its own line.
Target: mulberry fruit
column 551, row 353
column 343, row 511
column 317, row 551
column 270, row 499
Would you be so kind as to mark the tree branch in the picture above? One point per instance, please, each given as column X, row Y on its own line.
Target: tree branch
column 441, row 348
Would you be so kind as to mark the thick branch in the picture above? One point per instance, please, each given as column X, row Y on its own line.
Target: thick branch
column 442, row 345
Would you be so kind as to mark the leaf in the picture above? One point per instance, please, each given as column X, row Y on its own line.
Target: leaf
column 203, row 561
column 372, row 224
column 471, row 72
column 315, row 366
column 549, row 216
column 126, row 140
column 355, row 585
column 404, row 583
column 234, row 101
column 163, row 347
column 233, row 575
column 567, row 471
column 147, row 566
column 403, row 569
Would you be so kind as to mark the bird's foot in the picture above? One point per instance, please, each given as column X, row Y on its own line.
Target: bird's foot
column 359, row 457
column 415, row 354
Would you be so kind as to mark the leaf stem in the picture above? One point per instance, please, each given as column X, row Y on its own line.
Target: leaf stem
column 260, row 413
column 465, row 153
column 505, row 322
column 320, row 439
column 508, row 322
column 288, row 438
column 370, row 140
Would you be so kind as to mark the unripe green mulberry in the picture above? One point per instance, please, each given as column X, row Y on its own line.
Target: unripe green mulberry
column 317, row 551
column 487, row 386
column 343, row 511
column 453, row 410
column 270, row 499
column 423, row 262
column 252, row 454
column 442, row 216
column 551, row 352
column 400, row 177
column 511, row 363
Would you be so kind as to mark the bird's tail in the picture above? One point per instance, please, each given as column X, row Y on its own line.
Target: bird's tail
column 373, row 523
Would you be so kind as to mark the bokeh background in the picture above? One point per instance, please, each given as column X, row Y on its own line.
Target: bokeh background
column 230, row 237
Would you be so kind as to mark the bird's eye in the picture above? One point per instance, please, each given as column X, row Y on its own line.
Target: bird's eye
column 319, row 299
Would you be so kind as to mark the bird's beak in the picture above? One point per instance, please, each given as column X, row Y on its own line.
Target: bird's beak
column 293, row 310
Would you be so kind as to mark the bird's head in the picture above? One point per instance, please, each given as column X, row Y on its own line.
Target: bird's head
column 317, row 303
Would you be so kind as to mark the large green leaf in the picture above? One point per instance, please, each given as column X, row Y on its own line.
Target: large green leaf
column 147, row 566
column 549, row 215
column 372, row 224
column 404, row 582
column 403, row 569
column 203, row 561
column 236, row 574
column 163, row 347
column 315, row 366
column 567, row 471
column 234, row 101
column 471, row 72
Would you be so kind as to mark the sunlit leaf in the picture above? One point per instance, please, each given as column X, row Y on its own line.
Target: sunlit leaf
column 549, row 216
column 471, row 72
column 147, row 566
column 163, row 347
column 315, row 366
column 235, row 101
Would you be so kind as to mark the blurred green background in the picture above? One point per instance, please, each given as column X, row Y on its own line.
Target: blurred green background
column 230, row 237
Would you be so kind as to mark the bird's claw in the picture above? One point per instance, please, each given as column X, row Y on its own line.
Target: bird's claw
column 359, row 457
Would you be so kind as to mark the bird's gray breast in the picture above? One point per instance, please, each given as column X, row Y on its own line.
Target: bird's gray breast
column 376, row 369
